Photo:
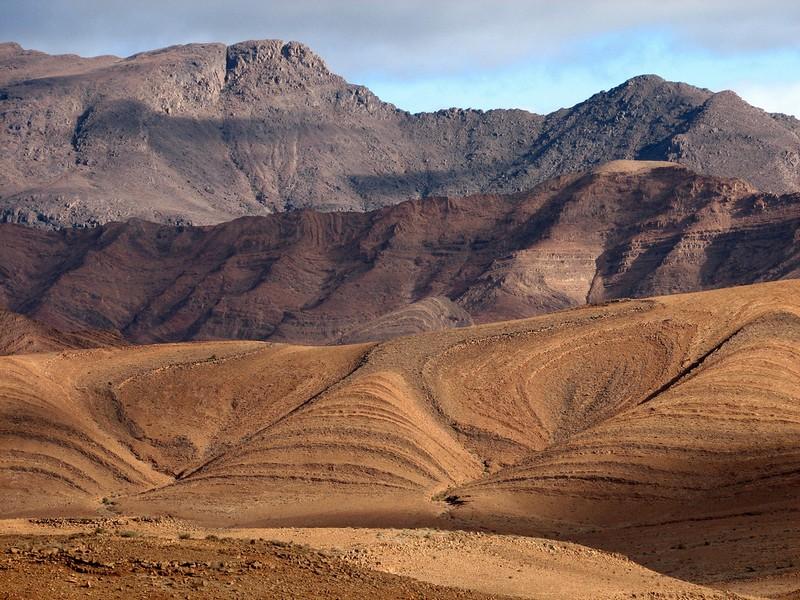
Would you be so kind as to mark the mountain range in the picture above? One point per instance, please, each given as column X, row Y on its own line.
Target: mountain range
column 204, row 133
column 626, row 229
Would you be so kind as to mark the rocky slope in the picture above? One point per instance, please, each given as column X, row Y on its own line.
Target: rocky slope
column 122, row 567
column 205, row 133
column 627, row 229
column 21, row 335
column 133, row 558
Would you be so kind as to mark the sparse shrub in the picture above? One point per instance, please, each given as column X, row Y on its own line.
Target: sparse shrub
column 184, row 536
column 129, row 534
column 678, row 547
column 99, row 531
column 212, row 538
column 448, row 498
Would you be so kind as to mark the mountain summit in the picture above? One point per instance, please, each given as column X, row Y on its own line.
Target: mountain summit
column 203, row 133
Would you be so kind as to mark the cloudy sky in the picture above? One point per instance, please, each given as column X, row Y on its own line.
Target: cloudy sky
column 430, row 54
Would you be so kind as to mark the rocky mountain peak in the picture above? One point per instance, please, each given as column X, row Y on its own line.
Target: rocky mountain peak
column 649, row 88
column 10, row 48
column 646, row 80
column 207, row 132
column 273, row 59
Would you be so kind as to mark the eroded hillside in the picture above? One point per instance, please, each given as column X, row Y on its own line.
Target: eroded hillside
column 628, row 229
column 621, row 426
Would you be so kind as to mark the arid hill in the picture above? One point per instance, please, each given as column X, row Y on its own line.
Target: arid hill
column 21, row 335
column 205, row 133
column 665, row 429
column 627, row 229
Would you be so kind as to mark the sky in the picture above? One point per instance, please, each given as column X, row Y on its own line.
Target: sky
column 425, row 55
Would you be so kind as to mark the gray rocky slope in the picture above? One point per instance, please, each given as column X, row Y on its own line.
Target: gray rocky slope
column 204, row 133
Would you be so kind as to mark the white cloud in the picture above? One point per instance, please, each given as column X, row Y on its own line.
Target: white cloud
column 425, row 54
column 400, row 37
column 781, row 98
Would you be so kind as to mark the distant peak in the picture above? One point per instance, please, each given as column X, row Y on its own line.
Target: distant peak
column 645, row 78
column 640, row 83
column 10, row 46
column 651, row 88
column 271, row 54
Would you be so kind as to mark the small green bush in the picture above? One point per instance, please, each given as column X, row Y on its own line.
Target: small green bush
column 129, row 534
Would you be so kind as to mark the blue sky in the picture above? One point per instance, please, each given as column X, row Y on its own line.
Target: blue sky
column 425, row 55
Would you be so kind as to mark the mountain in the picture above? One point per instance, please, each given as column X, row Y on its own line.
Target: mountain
column 665, row 429
column 204, row 133
column 626, row 229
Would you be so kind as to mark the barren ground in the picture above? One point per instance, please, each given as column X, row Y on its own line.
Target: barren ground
column 123, row 557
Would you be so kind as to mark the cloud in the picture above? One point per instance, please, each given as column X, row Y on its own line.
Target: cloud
column 408, row 36
column 518, row 46
column 761, row 77
column 780, row 98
